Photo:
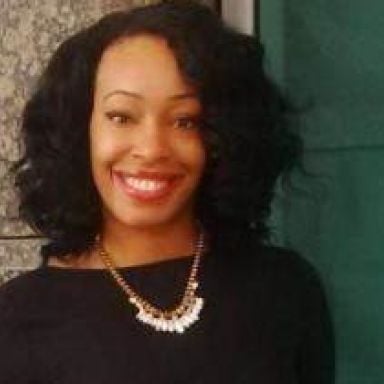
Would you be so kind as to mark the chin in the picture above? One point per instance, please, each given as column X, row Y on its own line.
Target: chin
column 146, row 218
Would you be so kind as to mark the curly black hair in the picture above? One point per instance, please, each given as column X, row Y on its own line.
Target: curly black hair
column 245, row 126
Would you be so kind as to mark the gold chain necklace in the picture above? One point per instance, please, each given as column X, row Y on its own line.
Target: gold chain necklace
column 175, row 320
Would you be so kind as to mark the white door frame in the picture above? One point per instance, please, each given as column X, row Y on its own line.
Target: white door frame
column 239, row 14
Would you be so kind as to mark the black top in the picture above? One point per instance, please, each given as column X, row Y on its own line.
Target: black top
column 265, row 321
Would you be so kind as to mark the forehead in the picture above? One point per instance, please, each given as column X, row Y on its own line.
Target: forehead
column 143, row 64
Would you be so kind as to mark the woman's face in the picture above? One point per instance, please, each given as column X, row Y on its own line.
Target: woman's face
column 147, row 153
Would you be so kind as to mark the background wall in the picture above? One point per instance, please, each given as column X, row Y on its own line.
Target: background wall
column 328, row 57
column 29, row 32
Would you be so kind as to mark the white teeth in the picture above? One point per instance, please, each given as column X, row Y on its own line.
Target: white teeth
column 145, row 184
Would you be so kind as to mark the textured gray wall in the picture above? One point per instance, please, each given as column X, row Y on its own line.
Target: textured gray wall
column 29, row 32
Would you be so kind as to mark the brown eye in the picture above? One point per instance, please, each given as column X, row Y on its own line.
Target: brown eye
column 187, row 123
column 119, row 118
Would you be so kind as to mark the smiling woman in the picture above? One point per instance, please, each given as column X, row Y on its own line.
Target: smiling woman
column 147, row 151
column 152, row 146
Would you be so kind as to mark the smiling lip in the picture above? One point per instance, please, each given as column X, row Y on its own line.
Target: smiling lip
column 146, row 186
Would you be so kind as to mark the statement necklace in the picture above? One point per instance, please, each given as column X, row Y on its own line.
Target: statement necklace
column 177, row 319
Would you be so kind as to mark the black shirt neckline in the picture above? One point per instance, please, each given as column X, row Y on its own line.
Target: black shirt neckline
column 159, row 264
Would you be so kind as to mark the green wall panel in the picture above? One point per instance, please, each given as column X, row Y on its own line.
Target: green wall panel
column 334, row 63
column 336, row 220
column 328, row 56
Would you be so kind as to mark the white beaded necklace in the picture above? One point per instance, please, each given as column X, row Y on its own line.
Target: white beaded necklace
column 177, row 319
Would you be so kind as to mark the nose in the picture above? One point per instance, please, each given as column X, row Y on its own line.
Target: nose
column 151, row 143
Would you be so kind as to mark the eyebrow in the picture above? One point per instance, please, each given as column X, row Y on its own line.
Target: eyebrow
column 181, row 96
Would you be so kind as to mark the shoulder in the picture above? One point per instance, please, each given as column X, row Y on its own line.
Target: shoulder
column 19, row 294
column 284, row 262
column 244, row 258
column 241, row 248
column 16, row 297
column 282, row 269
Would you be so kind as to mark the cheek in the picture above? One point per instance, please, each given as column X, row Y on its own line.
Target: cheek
column 101, row 144
column 104, row 148
column 194, row 155
column 103, row 155
column 201, row 158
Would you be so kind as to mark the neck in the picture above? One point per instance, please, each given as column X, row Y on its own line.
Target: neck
column 129, row 246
